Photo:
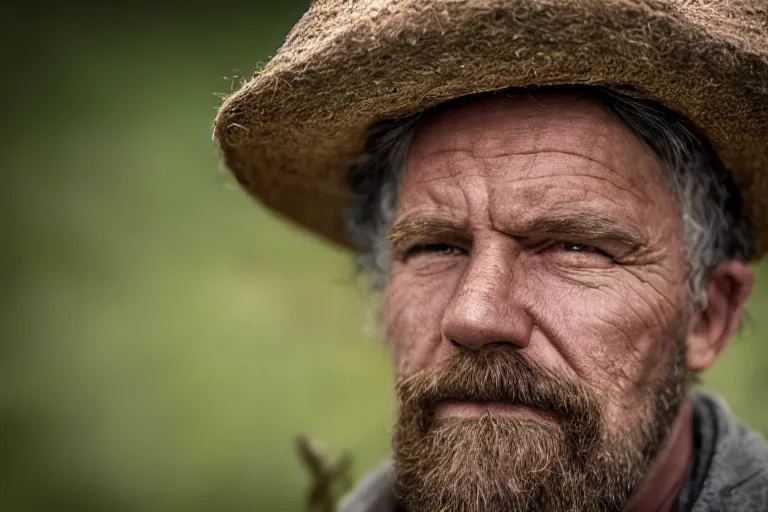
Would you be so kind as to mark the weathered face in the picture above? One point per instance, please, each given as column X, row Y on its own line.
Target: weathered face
column 540, row 232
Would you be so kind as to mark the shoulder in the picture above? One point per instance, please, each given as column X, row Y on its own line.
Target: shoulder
column 737, row 478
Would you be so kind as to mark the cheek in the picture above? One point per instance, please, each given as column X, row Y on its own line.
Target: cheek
column 414, row 310
column 613, row 332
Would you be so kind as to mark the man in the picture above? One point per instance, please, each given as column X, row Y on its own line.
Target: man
column 557, row 261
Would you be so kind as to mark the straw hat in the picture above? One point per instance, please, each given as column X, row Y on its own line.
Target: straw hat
column 292, row 132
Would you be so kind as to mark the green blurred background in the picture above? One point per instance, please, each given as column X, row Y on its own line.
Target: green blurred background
column 164, row 338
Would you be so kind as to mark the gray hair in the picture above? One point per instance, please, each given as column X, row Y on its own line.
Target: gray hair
column 710, row 203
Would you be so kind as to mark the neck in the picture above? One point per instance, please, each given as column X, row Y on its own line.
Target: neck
column 661, row 486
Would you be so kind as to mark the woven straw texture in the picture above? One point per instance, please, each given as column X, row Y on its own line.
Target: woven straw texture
column 290, row 134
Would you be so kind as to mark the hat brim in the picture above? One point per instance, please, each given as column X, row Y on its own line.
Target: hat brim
column 291, row 133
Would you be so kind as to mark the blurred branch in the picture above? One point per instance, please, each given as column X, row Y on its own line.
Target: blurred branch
column 329, row 479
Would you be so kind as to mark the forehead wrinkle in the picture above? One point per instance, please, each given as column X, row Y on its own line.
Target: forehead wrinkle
column 493, row 168
column 437, row 172
column 582, row 128
column 543, row 189
column 458, row 186
column 440, row 160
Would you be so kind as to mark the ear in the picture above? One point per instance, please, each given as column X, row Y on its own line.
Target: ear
column 729, row 287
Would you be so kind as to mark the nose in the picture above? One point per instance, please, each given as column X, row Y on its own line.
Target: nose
column 486, row 305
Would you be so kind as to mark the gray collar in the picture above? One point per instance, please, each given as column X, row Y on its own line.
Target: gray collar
column 375, row 493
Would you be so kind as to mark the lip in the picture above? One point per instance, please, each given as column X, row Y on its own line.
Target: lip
column 476, row 409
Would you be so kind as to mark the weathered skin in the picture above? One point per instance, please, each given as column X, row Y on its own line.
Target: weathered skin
column 541, row 221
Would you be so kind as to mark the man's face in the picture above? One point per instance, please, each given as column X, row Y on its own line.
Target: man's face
column 536, row 307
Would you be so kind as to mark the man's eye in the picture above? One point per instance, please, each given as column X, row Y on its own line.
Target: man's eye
column 585, row 251
column 439, row 249
column 573, row 247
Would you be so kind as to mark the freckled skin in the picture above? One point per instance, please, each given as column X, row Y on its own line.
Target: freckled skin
column 599, row 313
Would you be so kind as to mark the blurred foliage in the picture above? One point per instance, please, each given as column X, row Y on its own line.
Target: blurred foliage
column 165, row 339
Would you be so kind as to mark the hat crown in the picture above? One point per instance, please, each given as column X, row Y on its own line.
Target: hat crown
column 743, row 19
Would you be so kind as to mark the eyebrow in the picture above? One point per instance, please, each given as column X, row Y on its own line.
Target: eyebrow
column 587, row 226
column 581, row 225
column 420, row 226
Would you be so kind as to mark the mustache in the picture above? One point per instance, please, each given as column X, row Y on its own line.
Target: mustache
column 496, row 373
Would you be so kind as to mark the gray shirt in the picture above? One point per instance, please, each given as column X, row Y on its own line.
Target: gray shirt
column 729, row 470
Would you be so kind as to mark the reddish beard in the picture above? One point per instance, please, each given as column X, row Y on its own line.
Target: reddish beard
column 564, row 459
